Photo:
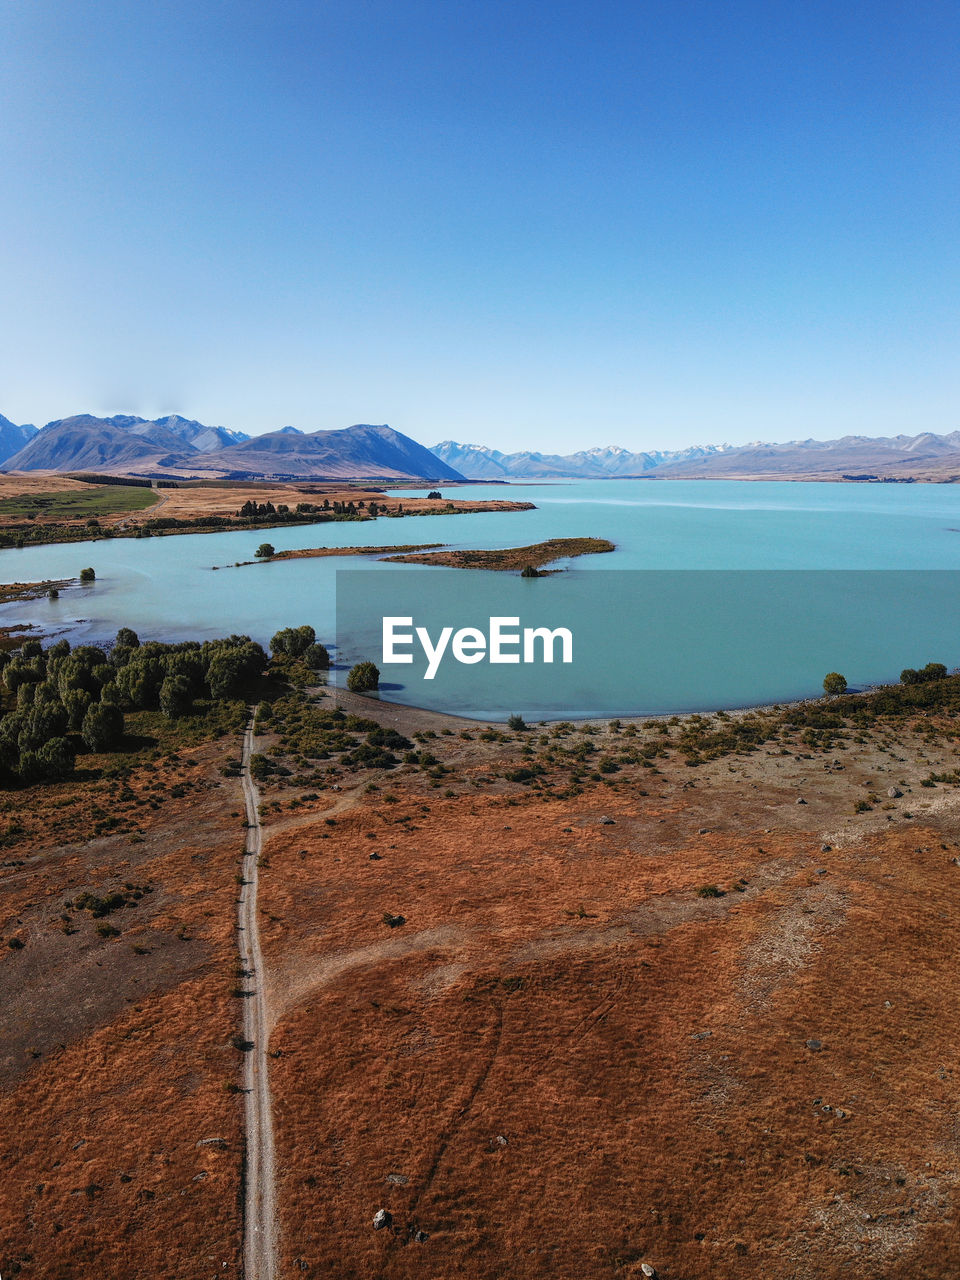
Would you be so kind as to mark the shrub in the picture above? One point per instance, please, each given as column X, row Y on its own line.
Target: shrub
column 710, row 891
column 517, row 723
column 265, row 551
column 363, row 677
column 834, row 683
column 261, row 767
column 529, row 572
column 175, row 698
column 294, row 641
column 102, row 727
column 55, row 758
column 317, row 657
column 525, row 773
column 87, row 575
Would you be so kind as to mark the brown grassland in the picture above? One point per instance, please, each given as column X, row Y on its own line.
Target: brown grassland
column 224, row 499
column 562, row 1000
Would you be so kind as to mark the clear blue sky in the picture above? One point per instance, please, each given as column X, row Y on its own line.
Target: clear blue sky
column 542, row 225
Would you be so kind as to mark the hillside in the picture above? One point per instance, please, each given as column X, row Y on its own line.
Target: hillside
column 361, row 451
column 13, row 438
column 125, row 444
column 85, row 443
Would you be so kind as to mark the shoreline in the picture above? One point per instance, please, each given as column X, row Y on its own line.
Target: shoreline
column 341, row 695
column 356, row 701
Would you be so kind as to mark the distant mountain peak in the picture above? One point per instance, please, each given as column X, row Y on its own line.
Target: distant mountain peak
column 857, row 454
column 290, row 431
column 13, row 438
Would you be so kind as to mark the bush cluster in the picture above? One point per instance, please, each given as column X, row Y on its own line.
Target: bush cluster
column 932, row 671
column 61, row 700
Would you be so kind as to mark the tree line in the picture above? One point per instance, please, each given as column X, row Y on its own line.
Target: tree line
column 66, row 699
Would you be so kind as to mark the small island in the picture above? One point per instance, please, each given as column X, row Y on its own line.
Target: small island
column 266, row 554
column 527, row 560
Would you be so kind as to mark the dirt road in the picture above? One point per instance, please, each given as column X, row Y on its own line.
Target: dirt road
column 259, row 1217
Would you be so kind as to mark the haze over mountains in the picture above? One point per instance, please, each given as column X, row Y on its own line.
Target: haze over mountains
column 182, row 447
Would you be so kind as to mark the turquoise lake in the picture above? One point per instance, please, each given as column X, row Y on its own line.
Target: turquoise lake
column 651, row 635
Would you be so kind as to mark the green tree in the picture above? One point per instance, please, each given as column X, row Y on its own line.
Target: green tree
column 363, row 677
column 127, row 638
column 102, row 727
column 87, row 575
column 265, row 551
column 232, row 664
column 175, row 697
column 110, row 693
column 121, row 654
column 38, row 724
column 23, row 671
column 139, row 681
column 76, row 703
column 188, row 665
column 834, row 682
column 317, row 657
column 56, row 758
column 25, row 696
column 934, row 671
column 58, row 651
column 910, row 675
column 293, row 641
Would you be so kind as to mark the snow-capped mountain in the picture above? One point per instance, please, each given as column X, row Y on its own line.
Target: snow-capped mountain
column 481, row 463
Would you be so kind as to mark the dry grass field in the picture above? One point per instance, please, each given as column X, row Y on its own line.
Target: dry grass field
column 116, row 1029
column 659, row 1014
column 72, row 502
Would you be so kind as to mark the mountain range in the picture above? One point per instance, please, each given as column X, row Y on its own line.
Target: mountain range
column 125, row 445
column 480, row 463
column 926, row 456
column 181, row 447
